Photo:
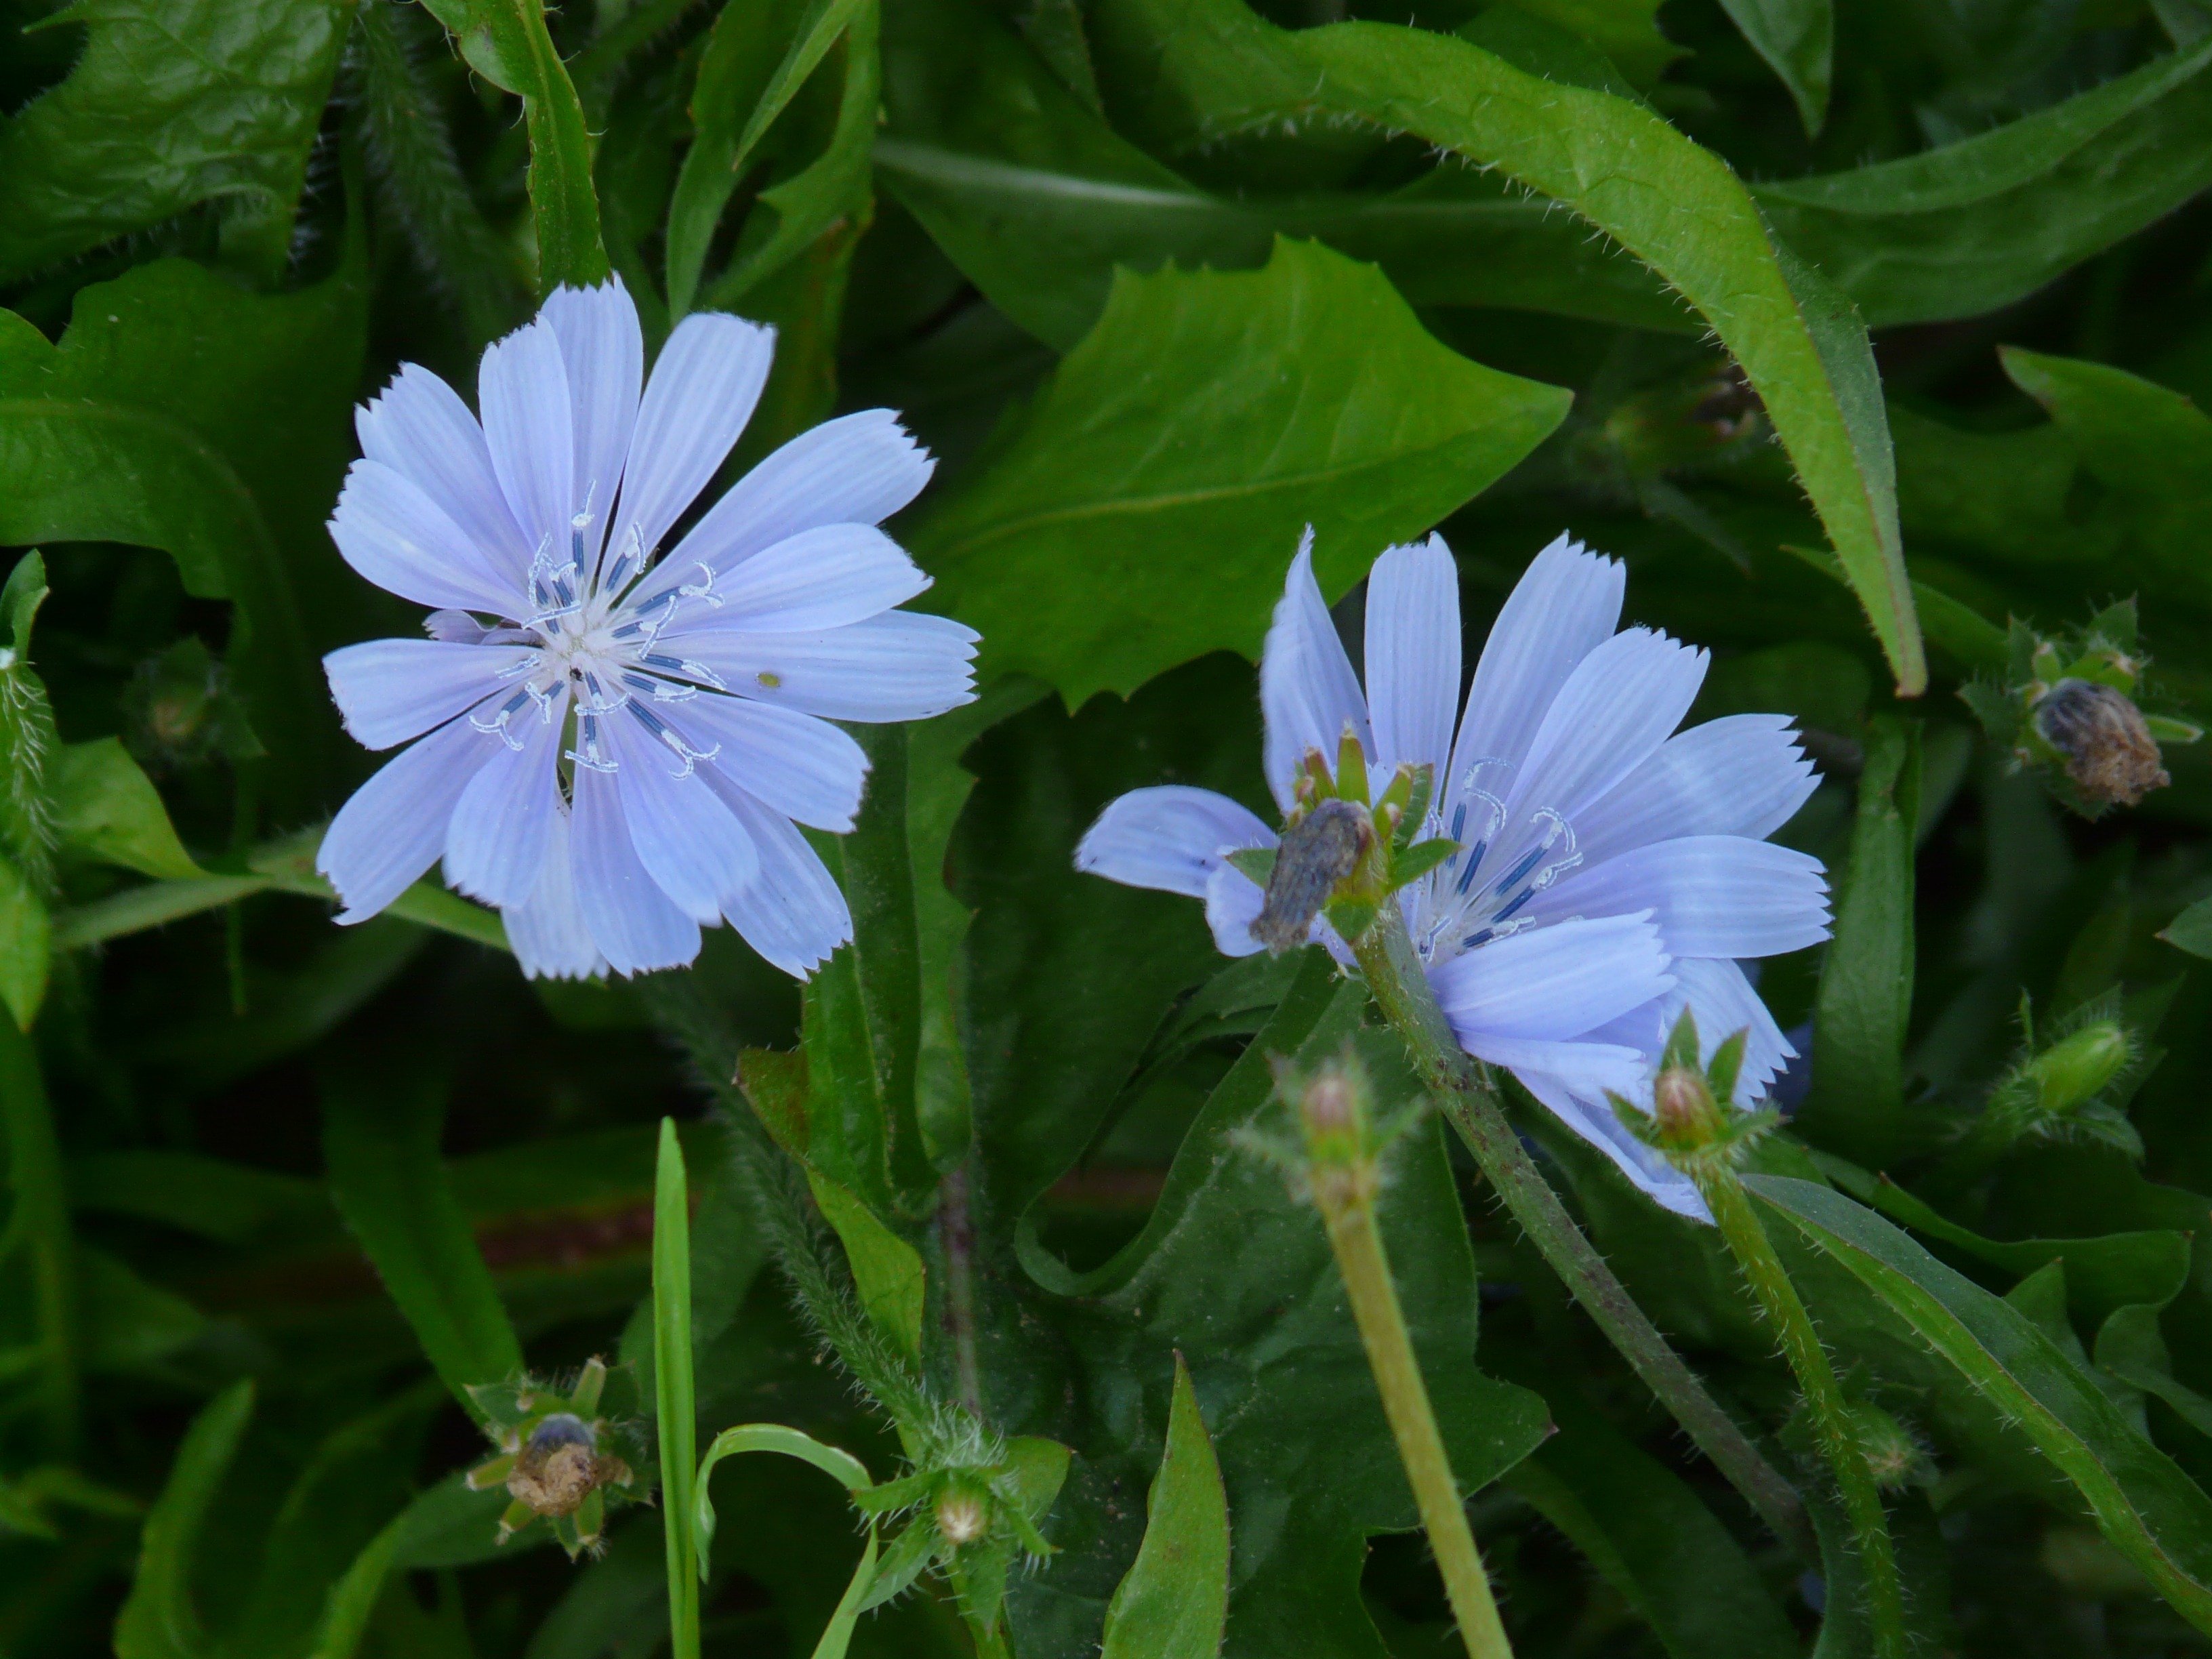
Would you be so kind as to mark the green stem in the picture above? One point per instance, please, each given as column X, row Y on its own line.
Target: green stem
column 1739, row 1226
column 1360, row 1256
column 41, row 1217
column 677, row 1408
column 1400, row 990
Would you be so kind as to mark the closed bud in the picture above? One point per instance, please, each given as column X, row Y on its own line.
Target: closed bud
column 1684, row 1106
column 2110, row 754
column 1894, row 1457
column 2077, row 1069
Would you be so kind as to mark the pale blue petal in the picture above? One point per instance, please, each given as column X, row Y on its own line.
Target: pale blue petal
column 547, row 931
column 635, row 926
column 1594, row 1119
column 1616, row 709
column 502, row 832
column 803, row 767
column 529, row 422
column 856, row 469
column 1711, row 896
column 704, row 386
column 902, row 666
column 1171, row 838
column 1553, row 982
column 691, row 843
column 818, row 580
column 420, row 429
column 1724, row 1002
column 1308, row 692
column 1722, row 998
column 603, row 355
column 1232, row 905
column 793, row 912
column 399, row 538
column 390, row 691
column 1566, row 604
column 1740, row 775
column 1413, row 658
column 394, row 827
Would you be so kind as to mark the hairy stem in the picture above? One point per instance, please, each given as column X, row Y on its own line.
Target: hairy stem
column 1748, row 1241
column 1360, row 1256
column 1400, row 990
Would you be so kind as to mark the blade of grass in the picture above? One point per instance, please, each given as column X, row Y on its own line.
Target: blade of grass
column 672, row 1390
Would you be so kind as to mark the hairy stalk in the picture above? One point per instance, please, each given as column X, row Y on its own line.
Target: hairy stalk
column 1400, row 990
column 808, row 1255
column 38, row 1221
column 421, row 181
column 1747, row 1241
column 1375, row 1306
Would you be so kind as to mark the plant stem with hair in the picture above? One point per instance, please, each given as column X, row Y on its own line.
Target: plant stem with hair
column 1459, row 1083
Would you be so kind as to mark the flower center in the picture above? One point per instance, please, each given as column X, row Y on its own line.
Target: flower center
column 1480, row 893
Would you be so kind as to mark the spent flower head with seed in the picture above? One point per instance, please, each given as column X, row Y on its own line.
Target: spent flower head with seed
column 614, row 742
column 1601, row 872
column 559, row 1459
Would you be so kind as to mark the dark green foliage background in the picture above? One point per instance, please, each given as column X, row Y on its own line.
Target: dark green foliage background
column 1162, row 282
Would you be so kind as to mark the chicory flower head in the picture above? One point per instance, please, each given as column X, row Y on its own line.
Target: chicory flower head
column 614, row 745
column 1609, row 874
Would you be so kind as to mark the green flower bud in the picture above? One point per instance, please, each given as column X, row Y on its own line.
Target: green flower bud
column 2077, row 1069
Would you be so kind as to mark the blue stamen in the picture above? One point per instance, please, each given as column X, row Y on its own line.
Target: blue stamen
column 1527, row 893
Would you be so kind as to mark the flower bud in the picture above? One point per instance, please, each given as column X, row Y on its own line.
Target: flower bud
column 1894, row 1457
column 1684, row 1106
column 2078, row 1068
column 2110, row 754
column 962, row 1515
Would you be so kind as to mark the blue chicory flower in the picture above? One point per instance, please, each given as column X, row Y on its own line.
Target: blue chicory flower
column 1610, row 874
column 613, row 745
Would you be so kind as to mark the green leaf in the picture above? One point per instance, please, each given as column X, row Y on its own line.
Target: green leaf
column 2191, row 931
column 2103, row 1274
column 26, row 946
column 2144, row 1505
column 887, row 1271
column 1797, row 38
column 1648, row 1534
column 1856, row 1103
column 2150, row 446
column 380, row 1143
column 1940, row 234
column 447, row 1525
column 1675, row 206
column 160, row 1618
column 26, row 734
column 181, row 413
column 675, row 1401
column 839, row 1465
column 507, row 43
column 863, row 1009
column 172, row 104
column 1223, row 1274
column 1068, row 976
column 1173, row 1602
column 1142, row 512
column 106, row 808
